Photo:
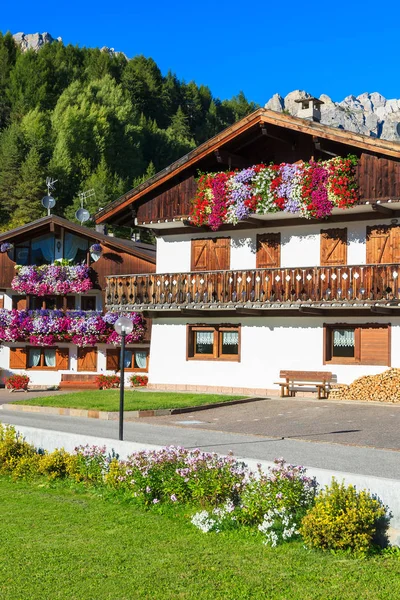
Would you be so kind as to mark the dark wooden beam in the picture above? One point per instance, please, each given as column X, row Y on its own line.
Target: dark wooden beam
column 311, row 310
column 284, row 140
column 193, row 312
column 252, row 312
column 52, row 226
column 317, row 145
column 382, row 310
column 232, row 160
column 383, row 210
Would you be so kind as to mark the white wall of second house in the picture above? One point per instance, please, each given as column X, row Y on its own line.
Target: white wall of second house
column 268, row 345
column 300, row 246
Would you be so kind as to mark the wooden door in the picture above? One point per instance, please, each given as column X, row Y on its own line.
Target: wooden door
column 268, row 251
column 212, row 254
column 383, row 244
column 333, row 247
column 87, row 359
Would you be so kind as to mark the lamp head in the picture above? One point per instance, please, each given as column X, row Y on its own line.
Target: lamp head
column 123, row 325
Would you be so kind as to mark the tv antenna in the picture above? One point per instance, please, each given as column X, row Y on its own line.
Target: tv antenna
column 82, row 214
column 48, row 201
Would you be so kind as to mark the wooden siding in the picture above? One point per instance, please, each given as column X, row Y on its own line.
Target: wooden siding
column 7, row 270
column 314, row 284
column 118, row 263
column 378, row 178
column 170, row 203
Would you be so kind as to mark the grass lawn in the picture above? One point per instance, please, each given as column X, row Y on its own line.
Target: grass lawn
column 61, row 544
column 109, row 400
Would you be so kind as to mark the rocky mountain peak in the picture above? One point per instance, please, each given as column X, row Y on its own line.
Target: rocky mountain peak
column 369, row 113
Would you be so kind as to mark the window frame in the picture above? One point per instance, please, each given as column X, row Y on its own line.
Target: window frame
column 329, row 359
column 42, row 366
column 217, row 331
column 133, row 350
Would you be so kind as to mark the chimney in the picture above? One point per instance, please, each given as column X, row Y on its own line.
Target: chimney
column 309, row 109
column 101, row 228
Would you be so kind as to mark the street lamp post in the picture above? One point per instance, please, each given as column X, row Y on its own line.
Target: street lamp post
column 123, row 326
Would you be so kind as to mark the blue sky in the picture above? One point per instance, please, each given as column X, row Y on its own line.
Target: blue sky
column 261, row 48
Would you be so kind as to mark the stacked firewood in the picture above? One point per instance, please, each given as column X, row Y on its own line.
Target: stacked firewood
column 384, row 387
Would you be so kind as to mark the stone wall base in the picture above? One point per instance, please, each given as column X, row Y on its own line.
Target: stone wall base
column 214, row 389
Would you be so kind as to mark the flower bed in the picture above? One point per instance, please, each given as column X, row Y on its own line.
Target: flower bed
column 278, row 506
column 311, row 189
column 51, row 279
column 46, row 327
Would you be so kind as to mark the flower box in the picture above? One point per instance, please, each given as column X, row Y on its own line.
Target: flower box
column 139, row 380
column 51, row 279
column 17, row 382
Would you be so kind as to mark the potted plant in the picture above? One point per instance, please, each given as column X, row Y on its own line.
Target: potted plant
column 139, row 380
column 17, row 382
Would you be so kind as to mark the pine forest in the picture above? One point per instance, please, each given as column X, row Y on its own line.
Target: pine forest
column 93, row 120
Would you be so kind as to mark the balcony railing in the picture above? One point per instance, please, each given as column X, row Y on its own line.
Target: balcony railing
column 224, row 288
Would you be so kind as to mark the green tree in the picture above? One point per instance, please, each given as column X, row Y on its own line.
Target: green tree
column 11, row 158
column 29, row 191
column 8, row 55
column 143, row 80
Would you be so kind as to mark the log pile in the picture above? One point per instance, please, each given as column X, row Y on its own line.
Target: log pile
column 384, row 387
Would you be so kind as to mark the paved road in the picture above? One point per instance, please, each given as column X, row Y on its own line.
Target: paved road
column 359, row 424
column 254, row 443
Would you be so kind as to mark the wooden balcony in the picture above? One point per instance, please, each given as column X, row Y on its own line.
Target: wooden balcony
column 355, row 286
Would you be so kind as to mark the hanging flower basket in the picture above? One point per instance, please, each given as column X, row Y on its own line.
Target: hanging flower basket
column 47, row 327
column 6, row 247
column 52, row 279
column 311, row 190
column 96, row 248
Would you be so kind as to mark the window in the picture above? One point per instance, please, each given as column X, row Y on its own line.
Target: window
column 43, row 250
column 357, row 344
column 75, row 248
column 39, row 358
column 206, row 342
column 19, row 302
column 51, row 302
column 21, row 253
column 136, row 359
column 88, row 303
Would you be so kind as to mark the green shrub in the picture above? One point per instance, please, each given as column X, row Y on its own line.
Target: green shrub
column 12, row 448
column 344, row 519
column 54, row 464
column 24, row 467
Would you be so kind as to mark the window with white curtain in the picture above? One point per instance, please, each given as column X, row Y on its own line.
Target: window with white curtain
column 75, row 247
column 39, row 358
column 43, row 250
column 217, row 342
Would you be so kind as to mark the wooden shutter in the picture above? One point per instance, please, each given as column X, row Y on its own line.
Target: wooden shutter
column 62, row 359
column 333, row 247
column 268, row 251
column 375, row 345
column 19, row 302
column 87, row 359
column 199, row 255
column 17, row 358
column 383, row 244
column 1, row 301
column 112, row 359
column 212, row 254
column 220, row 254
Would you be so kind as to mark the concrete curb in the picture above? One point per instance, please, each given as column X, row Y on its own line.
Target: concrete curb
column 129, row 415
column 388, row 490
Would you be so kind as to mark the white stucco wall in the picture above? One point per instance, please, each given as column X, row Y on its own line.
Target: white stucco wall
column 268, row 345
column 300, row 246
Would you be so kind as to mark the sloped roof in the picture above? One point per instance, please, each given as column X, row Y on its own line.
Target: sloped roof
column 262, row 115
column 139, row 249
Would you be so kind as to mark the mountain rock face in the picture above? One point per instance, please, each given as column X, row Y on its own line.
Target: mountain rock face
column 369, row 114
column 34, row 41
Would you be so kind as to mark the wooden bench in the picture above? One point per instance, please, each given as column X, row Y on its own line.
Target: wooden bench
column 77, row 381
column 305, row 381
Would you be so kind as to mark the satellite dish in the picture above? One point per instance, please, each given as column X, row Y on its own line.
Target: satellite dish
column 48, row 202
column 82, row 215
